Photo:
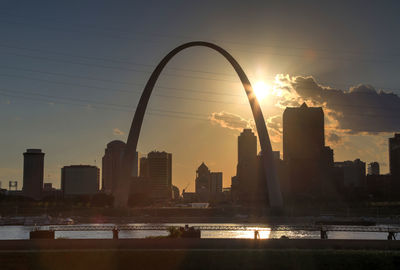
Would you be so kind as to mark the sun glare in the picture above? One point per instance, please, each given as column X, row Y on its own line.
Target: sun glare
column 261, row 90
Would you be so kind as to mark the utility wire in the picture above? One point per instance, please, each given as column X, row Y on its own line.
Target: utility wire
column 146, row 71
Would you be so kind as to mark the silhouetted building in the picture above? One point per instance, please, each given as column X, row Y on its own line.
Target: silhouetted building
column 373, row 168
column 378, row 187
column 33, row 173
column 157, row 167
column 247, row 170
column 47, row 187
column 208, row 184
column 111, row 163
column 202, row 182
column 190, row 197
column 175, row 193
column 80, row 180
column 353, row 173
column 303, row 133
column 13, row 185
column 304, row 151
column 235, row 188
column 394, row 156
column 216, row 182
column 140, row 191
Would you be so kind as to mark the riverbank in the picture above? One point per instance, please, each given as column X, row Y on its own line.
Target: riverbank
column 199, row 254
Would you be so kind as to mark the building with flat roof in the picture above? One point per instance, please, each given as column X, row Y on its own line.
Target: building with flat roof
column 353, row 172
column 33, row 173
column 304, row 152
column 303, row 132
column 157, row 168
column 80, row 180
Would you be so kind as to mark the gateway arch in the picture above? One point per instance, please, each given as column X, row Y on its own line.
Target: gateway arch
column 123, row 182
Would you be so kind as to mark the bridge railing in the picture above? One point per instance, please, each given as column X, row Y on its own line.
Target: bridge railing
column 330, row 228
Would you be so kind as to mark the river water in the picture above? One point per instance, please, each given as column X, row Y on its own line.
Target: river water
column 22, row 232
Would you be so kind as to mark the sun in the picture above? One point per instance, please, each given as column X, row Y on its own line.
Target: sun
column 261, row 90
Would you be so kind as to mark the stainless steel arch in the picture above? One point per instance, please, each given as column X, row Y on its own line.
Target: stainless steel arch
column 122, row 191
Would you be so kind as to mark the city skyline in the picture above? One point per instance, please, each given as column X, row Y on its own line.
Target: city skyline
column 278, row 61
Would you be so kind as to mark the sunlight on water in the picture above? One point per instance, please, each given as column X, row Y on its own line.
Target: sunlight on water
column 249, row 234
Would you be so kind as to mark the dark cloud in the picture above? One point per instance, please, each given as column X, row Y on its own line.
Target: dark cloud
column 230, row 120
column 360, row 109
column 333, row 138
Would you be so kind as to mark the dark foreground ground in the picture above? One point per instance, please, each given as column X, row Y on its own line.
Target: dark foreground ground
column 199, row 254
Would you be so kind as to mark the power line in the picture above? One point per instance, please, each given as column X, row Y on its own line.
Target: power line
column 114, row 67
column 112, row 60
column 174, row 96
column 119, row 106
column 110, row 81
column 148, row 72
column 182, row 37
column 246, row 51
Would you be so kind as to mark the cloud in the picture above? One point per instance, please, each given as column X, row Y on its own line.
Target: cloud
column 360, row 109
column 118, row 132
column 333, row 138
column 230, row 120
column 275, row 129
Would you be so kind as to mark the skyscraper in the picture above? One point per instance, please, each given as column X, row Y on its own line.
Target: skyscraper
column 216, row 182
column 394, row 156
column 247, row 168
column 111, row 163
column 303, row 133
column 202, row 182
column 159, row 173
column 304, row 151
column 33, row 173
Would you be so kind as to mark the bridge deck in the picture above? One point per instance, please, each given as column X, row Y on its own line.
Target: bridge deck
column 330, row 228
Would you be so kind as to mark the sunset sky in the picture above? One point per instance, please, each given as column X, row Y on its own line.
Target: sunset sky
column 72, row 73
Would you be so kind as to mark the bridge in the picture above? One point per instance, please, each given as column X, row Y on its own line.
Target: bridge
column 392, row 231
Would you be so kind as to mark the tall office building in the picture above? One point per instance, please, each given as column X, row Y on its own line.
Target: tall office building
column 33, row 173
column 202, row 182
column 394, row 156
column 247, row 173
column 216, row 182
column 303, row 132
column 157, row 167
column 304, row 151
column 111, row 164
column 373, row 168
column 80, row 180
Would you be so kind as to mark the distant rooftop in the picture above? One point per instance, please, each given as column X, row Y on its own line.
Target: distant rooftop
column 80, row 166
column 33, row 151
